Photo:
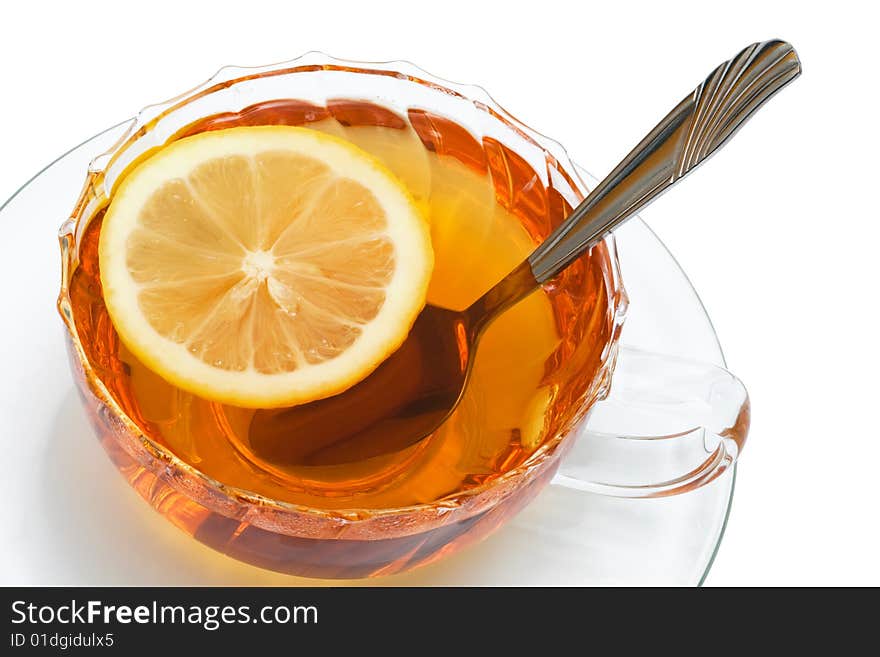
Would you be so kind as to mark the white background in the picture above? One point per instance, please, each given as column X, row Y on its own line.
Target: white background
column 779, row 233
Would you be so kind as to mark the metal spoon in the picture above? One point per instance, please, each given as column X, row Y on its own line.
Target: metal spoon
column 416, row 388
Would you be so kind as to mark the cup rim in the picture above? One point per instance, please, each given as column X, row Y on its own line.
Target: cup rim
column 161, row 458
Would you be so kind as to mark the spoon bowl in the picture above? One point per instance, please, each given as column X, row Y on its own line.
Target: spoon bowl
column 406, row 398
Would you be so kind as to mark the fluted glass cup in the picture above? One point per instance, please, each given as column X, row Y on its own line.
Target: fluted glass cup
column 624, row 425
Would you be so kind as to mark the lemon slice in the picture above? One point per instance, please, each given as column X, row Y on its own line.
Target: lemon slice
column 263, row 266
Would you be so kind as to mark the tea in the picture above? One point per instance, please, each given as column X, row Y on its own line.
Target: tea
column 522, row 366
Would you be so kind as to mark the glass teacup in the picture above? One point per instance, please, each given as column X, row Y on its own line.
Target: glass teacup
column 654, row 399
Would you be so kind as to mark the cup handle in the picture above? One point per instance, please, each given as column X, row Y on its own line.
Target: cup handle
column 668, row 425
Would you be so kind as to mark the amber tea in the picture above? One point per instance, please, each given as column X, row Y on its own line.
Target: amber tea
column 486, row 213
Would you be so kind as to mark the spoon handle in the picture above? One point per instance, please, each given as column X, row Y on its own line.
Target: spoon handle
column 697, row 127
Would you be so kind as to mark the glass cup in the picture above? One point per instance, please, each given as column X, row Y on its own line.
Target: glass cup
column 641, row 406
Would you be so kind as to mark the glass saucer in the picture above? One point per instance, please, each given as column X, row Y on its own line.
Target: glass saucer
column 72, row 520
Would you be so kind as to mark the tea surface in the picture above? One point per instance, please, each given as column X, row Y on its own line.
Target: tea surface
column 502, row 418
